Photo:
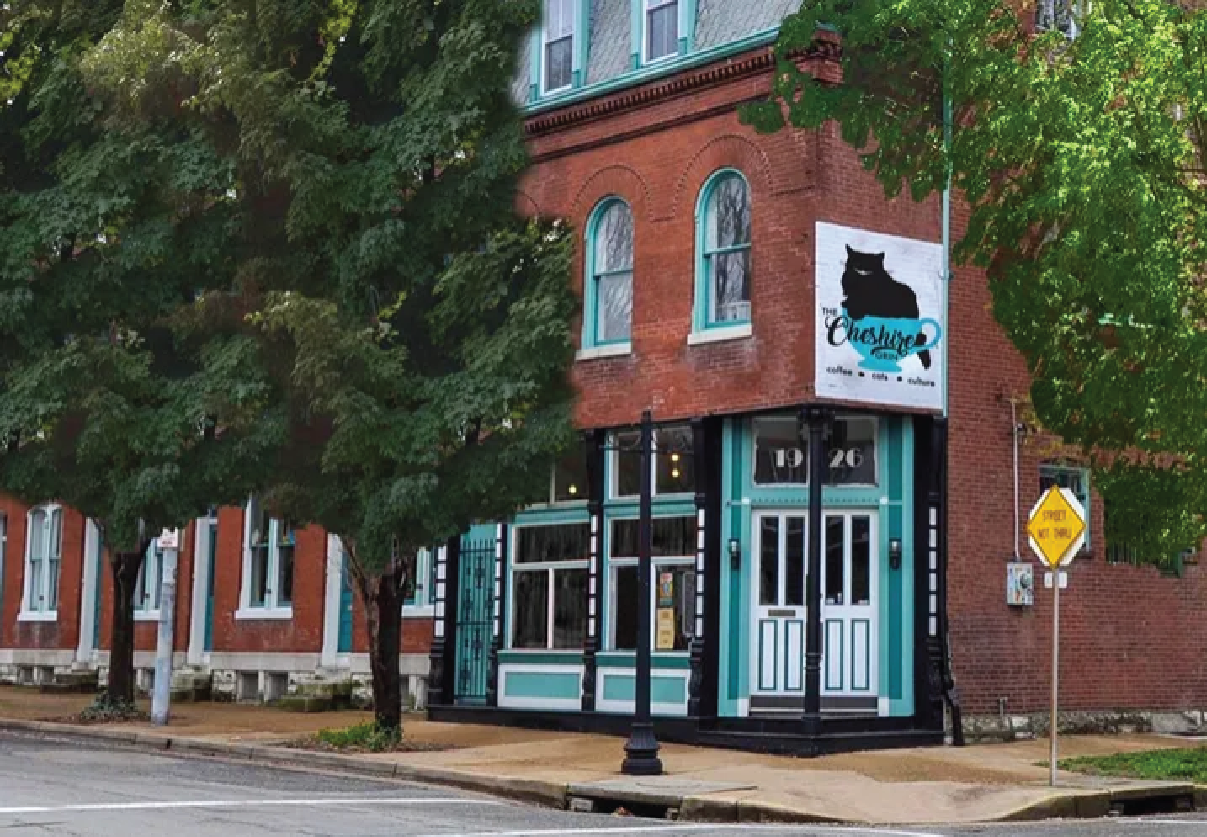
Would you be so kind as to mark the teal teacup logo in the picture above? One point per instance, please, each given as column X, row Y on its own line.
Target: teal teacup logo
column 883, row 342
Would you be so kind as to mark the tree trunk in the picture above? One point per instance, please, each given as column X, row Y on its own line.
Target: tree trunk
column 125, row 567
column 381, row 595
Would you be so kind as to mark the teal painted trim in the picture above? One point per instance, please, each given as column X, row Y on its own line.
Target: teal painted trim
column 890, row 599
column 904, row 706
column 535, row 59
column 582, row 41
column 344, row 644
column 100, row 583
column 541, row 658
column 590, row 337
column 625, row 659
column 556, row 685
column 480, row 532
column 636, row 33
column 622, row 687
column 830, row 652
column 702, row 307
column 687, row 26
column 548, row 517
column 639, row 75
column 209, row 596
column 674, row 506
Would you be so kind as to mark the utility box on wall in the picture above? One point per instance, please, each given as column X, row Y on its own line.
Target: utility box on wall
column 1020, row 584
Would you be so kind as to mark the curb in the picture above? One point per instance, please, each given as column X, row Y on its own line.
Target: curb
column 1071, row 804
column 552, row 794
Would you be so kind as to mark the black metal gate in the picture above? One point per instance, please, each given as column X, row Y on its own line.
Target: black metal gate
column 475, row 612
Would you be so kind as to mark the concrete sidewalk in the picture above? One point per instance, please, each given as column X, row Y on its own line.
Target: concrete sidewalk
column 931, row 785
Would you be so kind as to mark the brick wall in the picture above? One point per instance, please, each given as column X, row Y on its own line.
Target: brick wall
column 146, row 634
column 1129, row 633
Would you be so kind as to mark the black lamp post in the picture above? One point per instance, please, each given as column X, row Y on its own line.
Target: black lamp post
column 816, row 419
column 641, row 751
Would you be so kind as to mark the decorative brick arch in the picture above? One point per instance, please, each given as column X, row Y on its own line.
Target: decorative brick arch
column 728, row 151
column 526, row 205
column 619, row 181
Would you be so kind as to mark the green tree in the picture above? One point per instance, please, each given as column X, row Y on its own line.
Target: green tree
column 130, row 385
column 422, row 332
column 1082, row 160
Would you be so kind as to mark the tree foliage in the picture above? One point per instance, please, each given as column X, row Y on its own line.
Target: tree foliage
column 1083, row 163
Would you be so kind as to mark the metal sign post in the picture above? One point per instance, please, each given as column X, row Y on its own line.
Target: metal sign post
column 1056, row 530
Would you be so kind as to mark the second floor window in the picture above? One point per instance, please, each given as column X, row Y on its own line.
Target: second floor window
column 610, row 280
column 726, row 249
column 1072, row 477
column 1061, row 15
column 661, row 29
column 558, row 54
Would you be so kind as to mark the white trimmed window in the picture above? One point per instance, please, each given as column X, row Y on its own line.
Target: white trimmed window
column 549, row 578
column 673, row 466
column 269, row 544
column 43, row 557
column 148, row 589
column 417, row 597
column 557, row 53
column 661, row 29
column 673, row 584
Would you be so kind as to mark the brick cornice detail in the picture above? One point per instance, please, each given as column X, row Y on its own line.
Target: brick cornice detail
column 725, row 70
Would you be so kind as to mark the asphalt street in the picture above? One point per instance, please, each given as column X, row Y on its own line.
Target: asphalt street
column 60, row 788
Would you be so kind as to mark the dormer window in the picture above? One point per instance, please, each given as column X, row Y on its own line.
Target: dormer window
column 661, row 29
column 559, row 45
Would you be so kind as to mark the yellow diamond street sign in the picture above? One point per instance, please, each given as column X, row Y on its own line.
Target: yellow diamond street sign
column 1057, row 527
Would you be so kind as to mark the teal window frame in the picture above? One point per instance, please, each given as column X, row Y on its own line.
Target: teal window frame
column 639, row 37
column 591, row 308
column 702, row 310
column 648, row 8
column 1057, row 473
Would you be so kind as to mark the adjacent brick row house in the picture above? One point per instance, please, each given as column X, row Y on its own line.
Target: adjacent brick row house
column 260, row 606
column 748, row 290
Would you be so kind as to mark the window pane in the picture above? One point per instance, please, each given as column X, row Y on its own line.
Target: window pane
column 794, row 570
column 729, row 213
column 530, row 615
column 259, row 576
column 769, row 561
column 683, row 581
column 779, row 456
column 559, row 63
column 570, row 608
column 571, row 542
column 663, row 31
column 559, row 18
column 628, row 464
column 861, row 561
column 36, row 600
column 56, row 533
column 675, row 466
column 614, row 238
column 570, row 477
column 851, row 453
column 53, row 569
column 731, row 286
column 673, row 537
column 37, row 535
column 615, row 303
column 834, row 566
column 285, row 553
column 624, row 616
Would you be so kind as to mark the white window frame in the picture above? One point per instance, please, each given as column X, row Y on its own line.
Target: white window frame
column 39, row 609
column 614, row 464
column 550, row 568
column 271, row 609
column 648, row 7
column 148, row 589
column 615, row 563
column 546, row 90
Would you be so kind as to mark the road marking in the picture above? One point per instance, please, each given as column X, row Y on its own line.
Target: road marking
column 728, row 828
column 167, row 805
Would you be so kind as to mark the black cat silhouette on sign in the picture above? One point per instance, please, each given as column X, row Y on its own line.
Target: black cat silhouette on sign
column 879, row 304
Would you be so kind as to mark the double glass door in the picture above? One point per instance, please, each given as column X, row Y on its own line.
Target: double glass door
column 849, row 606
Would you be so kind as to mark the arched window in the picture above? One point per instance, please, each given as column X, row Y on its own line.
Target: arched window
column 608, row 318
column 724, row 222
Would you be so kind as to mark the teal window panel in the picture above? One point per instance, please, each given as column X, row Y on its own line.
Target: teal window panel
column 723, row 252
column 557, row 685
column 662, row 689
column 668, row 662
column 608, row 276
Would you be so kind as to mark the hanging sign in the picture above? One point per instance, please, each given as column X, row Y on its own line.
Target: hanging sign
column 879, row 310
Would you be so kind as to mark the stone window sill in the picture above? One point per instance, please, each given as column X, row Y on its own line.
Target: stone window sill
column 610, row 350
column 720, row 335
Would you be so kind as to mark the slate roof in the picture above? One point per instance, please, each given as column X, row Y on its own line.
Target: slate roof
column 718, row 22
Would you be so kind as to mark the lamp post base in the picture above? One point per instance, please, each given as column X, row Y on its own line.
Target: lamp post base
column 641, row 752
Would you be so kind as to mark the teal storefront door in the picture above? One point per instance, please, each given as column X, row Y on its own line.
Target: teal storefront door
column 475, row 603
column 345, row 612
column 209, row 593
